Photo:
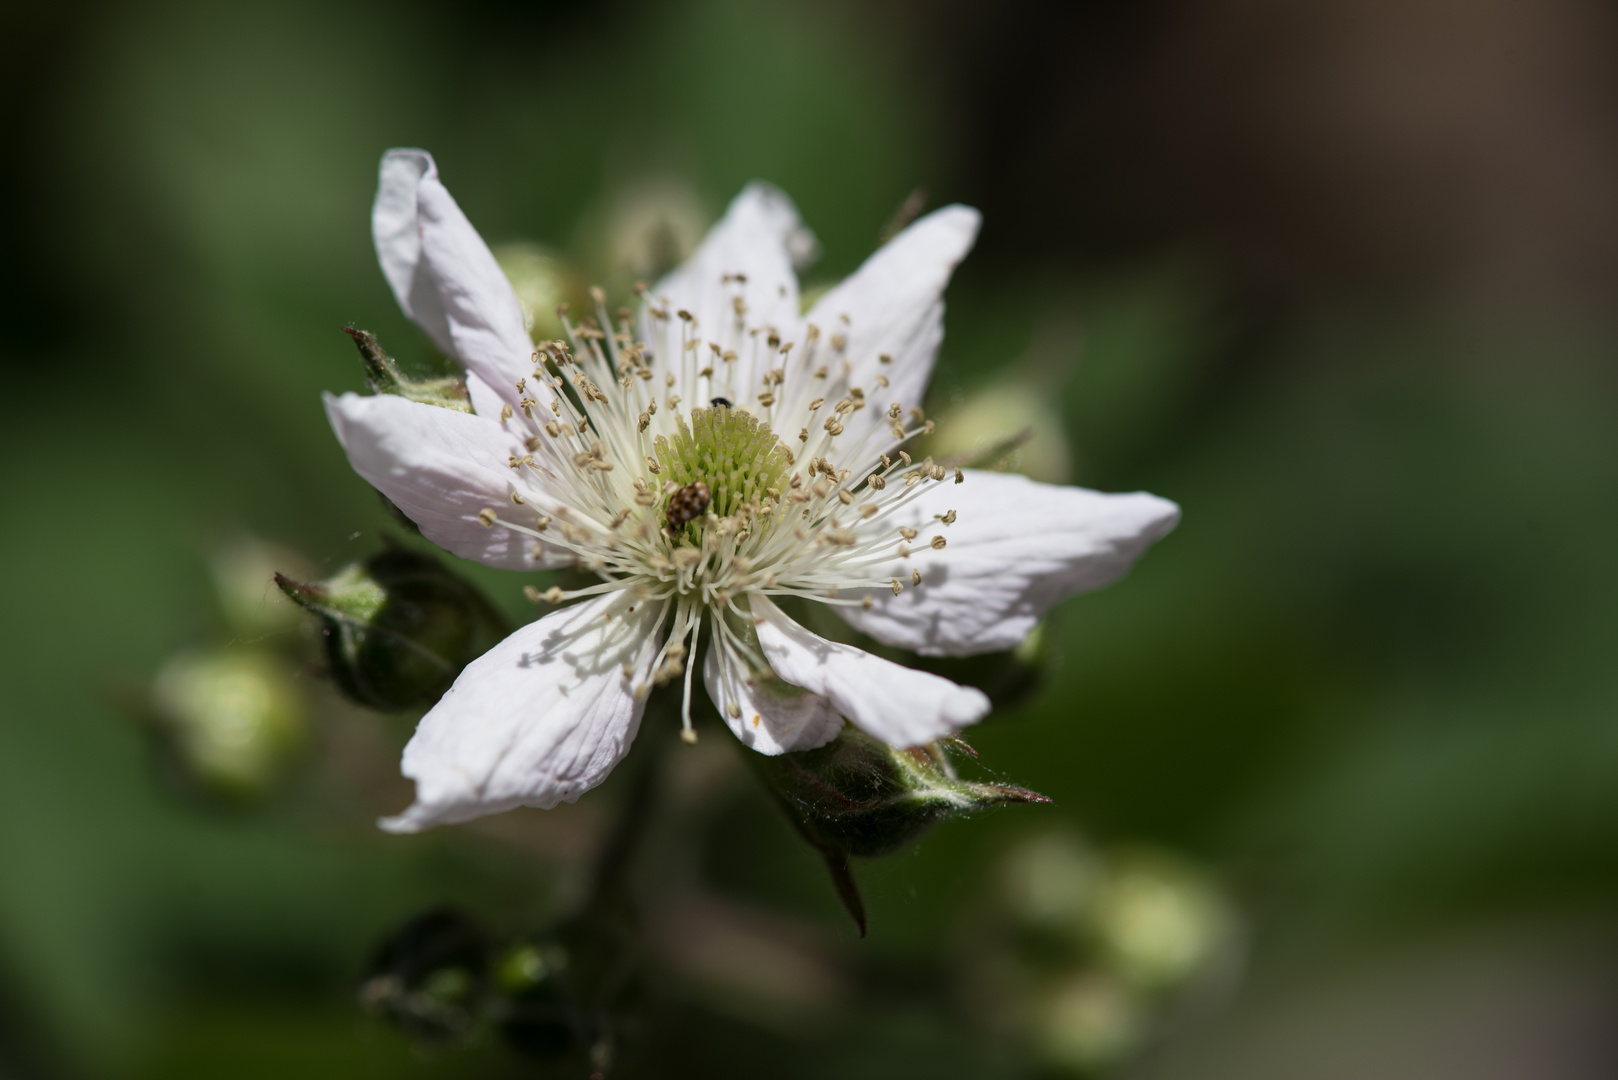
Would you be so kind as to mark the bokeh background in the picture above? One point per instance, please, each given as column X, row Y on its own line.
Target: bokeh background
column 1337, row 277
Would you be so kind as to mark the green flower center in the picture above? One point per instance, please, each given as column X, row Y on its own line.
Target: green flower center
column 738, row 457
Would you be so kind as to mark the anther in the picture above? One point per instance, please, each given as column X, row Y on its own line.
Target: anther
column 947, row 518
column 960, row 477
column 893, row 583
column 505, row 413
column 938, row 543
column 915, row 577
column 487, row 517
column 885, row 358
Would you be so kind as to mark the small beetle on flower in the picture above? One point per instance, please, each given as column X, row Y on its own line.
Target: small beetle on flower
column 598, row 452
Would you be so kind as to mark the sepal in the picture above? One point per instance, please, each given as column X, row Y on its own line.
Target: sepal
column 383, row 374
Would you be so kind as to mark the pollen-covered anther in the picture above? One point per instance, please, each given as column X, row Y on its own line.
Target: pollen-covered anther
column 487, row 517
column 896, row 410
column 894, row 584
column 938, row 543
column 908, row 534
column 960, row 477
column 915, row 577
column 878, row 482
column 946, row 518
column 845, row 497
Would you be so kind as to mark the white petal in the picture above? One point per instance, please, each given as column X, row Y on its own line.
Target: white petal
column 899, row 705
column 753, row 239
column 895, row 306
column 537, row 720
column 775, row 717
column 486, row 401
column 444, row 275
column 440, row 467
column 1016, row 549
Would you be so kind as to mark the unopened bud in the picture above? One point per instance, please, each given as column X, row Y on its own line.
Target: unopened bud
column 243, row 570
column 543, row 283
column 1009, row 426
column 430, row 976
column 384, row 376
column 859, row 796
column 399, row 627
column 863, row 797
column 648, row 228
column 232, row 720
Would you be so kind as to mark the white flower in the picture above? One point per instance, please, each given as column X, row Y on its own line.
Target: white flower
column 721, row 450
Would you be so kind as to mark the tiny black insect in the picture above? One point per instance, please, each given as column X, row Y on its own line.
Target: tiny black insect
column 720, row 402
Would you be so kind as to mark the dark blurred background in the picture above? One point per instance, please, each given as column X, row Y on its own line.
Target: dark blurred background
column 1337, row 277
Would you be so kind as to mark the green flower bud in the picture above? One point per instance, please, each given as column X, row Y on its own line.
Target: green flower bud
column 399, row 627
column 430, row 977
column 542, row 282
column 539, row 1014
column 563, row 992
column 243, row 571
column 1086, row 1021
column 1158, row 921
column 859, row 796
column 383, row 373
column 645, row 229
column 231, row 720
column 1010, row 426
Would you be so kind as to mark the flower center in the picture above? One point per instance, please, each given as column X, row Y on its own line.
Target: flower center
column 736, row 456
